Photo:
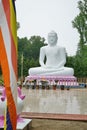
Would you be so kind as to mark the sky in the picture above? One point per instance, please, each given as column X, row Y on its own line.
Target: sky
column 39, row 17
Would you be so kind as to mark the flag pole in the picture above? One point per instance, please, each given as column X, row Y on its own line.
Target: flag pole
column 8, row 60
column 22, row 58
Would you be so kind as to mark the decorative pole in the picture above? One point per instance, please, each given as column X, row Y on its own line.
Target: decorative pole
column 8, row 60
column 22, row 58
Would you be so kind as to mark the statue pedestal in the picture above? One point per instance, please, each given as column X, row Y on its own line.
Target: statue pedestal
column 59, row 80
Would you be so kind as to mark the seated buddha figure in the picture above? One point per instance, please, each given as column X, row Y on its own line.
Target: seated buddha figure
column 55, row 59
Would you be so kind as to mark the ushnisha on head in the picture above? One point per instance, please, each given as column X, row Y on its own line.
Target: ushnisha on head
column 52, row 38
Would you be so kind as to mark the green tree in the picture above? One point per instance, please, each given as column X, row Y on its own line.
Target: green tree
column 80, row 23
column 35, row 44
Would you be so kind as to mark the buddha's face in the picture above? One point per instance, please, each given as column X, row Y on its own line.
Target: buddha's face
column 52, row 38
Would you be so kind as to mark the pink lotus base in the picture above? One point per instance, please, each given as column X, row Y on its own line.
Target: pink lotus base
column 62, row 80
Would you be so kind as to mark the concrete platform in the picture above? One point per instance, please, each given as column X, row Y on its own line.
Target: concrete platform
column 73, row 101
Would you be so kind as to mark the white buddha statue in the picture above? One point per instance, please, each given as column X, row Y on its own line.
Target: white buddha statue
column 55, row 59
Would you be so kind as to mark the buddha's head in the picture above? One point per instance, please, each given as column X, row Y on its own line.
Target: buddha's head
column 52, row 38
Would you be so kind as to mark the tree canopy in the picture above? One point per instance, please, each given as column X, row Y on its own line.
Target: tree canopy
column 80, row 23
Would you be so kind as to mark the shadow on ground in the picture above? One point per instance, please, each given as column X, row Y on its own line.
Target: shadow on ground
column 40, row 124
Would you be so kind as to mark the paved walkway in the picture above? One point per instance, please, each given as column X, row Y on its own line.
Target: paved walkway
column 55, row 104
column 57, row 101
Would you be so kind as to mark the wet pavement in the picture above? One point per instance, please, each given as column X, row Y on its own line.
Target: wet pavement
column 73, row 101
